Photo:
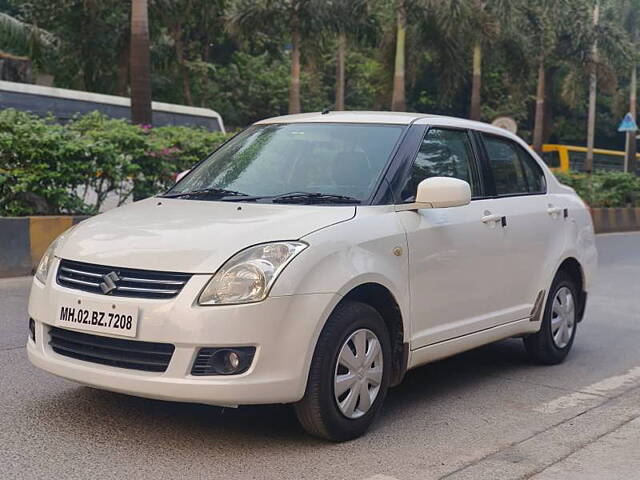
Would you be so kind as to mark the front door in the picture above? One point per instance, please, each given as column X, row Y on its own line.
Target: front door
column 455, row 254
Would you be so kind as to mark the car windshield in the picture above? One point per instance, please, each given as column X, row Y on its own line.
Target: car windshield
column 295, row 163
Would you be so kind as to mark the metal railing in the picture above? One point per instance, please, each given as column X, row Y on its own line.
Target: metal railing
column 568, row 157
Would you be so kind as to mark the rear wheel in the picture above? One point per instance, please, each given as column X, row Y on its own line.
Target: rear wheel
column 553, row 342
column 349, row 374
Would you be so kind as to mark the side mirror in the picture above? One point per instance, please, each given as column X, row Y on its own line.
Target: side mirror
column 440, row 192
column 181, row 174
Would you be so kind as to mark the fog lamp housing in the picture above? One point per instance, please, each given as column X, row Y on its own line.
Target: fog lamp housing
column 223, row 361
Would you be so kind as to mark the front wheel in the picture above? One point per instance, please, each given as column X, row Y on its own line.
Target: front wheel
column 349, row 374
column 552, row 343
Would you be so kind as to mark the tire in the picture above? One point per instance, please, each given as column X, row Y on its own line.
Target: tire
column 319, row 412
column 549, row 346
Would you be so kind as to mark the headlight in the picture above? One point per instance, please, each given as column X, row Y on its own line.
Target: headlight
column 47, row 260
column 249, row 275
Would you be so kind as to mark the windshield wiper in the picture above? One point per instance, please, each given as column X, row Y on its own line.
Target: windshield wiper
column 206, row 192
column 310, row 198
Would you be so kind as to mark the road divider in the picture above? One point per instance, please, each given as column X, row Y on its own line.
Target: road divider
column 23, row 240
column 607, row 220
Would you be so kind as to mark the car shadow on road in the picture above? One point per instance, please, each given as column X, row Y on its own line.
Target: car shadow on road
column 106, row 411
column 460, row 372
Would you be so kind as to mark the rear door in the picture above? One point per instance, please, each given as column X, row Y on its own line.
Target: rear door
column 534, row 227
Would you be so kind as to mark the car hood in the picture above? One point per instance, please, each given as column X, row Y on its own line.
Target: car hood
column 189, row 236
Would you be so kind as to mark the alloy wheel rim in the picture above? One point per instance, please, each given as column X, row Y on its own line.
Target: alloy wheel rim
column 358, row 373
column 563, row 317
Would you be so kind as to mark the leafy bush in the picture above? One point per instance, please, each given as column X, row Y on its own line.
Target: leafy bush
column 604, row 189
column 47, row 168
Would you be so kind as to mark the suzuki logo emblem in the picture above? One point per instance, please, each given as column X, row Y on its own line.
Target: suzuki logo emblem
column 108, row 284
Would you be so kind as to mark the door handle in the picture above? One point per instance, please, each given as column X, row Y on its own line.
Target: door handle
column 554, row 210
column 491, row 218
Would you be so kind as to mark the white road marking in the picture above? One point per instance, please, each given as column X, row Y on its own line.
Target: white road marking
column 381, row 477
column 592, row 392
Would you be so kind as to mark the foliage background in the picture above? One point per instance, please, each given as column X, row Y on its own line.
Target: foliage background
column 49, row 168
column 234, row 55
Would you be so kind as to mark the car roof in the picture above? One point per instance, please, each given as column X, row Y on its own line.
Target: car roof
column 394, row 118
column 398, row 118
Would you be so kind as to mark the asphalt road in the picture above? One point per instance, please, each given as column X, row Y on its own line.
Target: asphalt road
column 487, row 413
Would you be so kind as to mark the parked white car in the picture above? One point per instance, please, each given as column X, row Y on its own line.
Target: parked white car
column 313, row 259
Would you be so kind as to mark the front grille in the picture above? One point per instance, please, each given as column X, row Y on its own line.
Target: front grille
column 123, row 282
column 148, row 356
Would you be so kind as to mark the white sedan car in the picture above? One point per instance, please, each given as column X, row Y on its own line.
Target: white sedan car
column 313, row 259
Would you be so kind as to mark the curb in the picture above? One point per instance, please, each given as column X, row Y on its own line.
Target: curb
column 23, row 241
column 608, row 220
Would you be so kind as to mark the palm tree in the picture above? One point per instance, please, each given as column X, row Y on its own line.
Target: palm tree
column 541, row 21
column 480, row 23
column 561, row 34
column 176, row 14
column 416, row 25
column 629, row 11
column 593, row 87
column 398, row 96
column 140, row 64
column 298, row 18
column 347, row 19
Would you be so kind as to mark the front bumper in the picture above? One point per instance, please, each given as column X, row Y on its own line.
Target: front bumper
column 283, row 329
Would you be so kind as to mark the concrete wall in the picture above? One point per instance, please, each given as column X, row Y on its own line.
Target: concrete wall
column 24, row 240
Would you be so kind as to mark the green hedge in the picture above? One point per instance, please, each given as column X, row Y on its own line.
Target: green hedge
column 604, row 189
column 47, row 168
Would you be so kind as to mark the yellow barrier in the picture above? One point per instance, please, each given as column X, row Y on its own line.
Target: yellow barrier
column 565, row 160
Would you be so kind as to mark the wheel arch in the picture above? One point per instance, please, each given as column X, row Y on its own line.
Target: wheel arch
column 572, row 267
column 384, row 302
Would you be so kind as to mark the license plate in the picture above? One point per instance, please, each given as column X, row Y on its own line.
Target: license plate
column 112, row 318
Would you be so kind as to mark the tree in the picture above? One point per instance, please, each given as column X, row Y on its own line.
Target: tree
column 629, row 11
column 543, row 24
column 560, row 34
column 176, row 15
column 593, row 87
column 297, row 18
column 347, row 20
column 89, row 34
column 398, row 96
column 140, row 64
column 479, row 23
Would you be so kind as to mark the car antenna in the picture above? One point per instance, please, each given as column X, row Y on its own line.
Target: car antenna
column 327, row 110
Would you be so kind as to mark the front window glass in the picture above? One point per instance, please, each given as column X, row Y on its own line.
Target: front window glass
column 266, row 161
column 443, row 153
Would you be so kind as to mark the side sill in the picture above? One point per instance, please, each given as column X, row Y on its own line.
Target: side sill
column 457, row 345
